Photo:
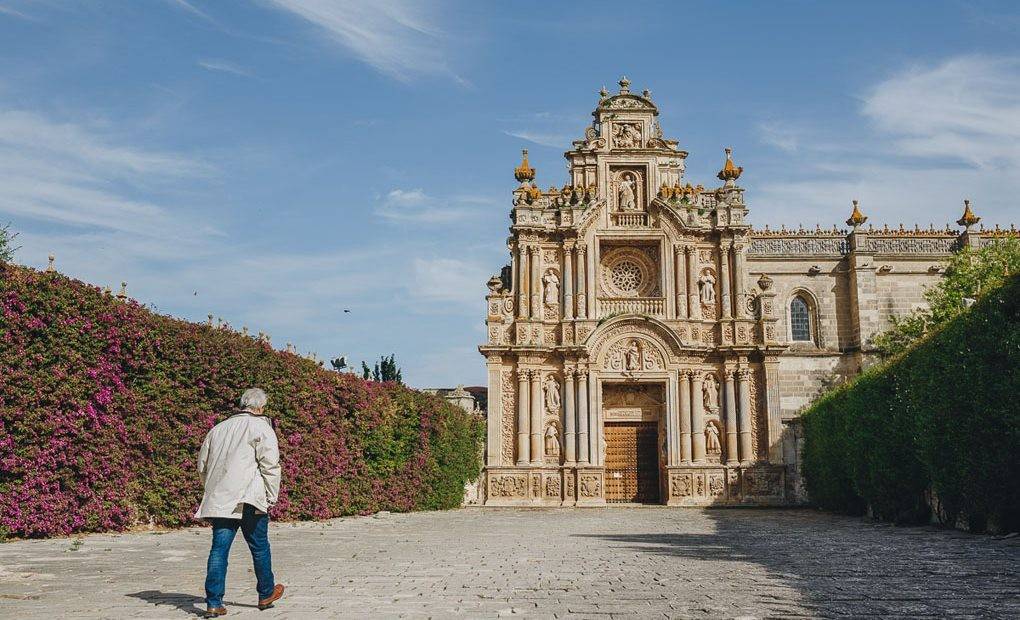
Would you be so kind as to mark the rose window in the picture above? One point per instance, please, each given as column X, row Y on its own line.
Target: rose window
column 626, row 277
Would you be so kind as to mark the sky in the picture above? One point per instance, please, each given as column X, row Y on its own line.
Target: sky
column 278, row 163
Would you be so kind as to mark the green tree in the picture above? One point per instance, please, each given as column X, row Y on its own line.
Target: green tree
column 7, row 248
column 385, row 369
column 969, row 275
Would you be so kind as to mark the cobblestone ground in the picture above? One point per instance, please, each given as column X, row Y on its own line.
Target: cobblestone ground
column 597, row 563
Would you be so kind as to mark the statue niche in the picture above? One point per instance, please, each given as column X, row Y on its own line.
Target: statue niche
column 632, row 355
column 551, row 283
column 628, row 190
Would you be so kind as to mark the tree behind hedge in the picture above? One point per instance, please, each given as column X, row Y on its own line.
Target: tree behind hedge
column 942, row 415
column 103, row 406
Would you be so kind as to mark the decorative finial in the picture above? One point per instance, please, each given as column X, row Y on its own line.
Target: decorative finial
column 603, row 93
column 647, row 94
column 524, row 173
column 856, row 217
column 968, row 219
column 49, row 267
column 624, row 85
column 730, row 172
column 123, row 291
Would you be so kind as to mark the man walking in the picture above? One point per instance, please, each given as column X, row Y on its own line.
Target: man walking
column 240, row 467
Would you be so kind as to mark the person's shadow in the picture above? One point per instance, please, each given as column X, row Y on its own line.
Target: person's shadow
column 188, row 603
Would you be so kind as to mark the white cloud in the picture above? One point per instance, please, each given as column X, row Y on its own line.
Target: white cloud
column 932, row 137
column 554, row 140
column 223, row 66
column 448, row 280
column 393, row 36
column 190, row 8
column 76, row 175
column 967, row 108
column 414, row 205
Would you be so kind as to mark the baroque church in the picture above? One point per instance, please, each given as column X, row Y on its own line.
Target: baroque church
column 646, row 344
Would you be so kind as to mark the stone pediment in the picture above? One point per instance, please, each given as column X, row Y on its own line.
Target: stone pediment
column 627, row 101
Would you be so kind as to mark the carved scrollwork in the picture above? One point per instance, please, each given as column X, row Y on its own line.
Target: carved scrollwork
column 591, row 485
column 508, row 485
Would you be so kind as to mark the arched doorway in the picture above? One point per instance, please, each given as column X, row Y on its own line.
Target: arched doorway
column 633, row 415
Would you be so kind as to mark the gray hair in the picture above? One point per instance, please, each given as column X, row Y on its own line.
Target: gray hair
column 253, row 398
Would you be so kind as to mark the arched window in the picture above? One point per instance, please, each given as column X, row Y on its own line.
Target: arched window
column 800, row 320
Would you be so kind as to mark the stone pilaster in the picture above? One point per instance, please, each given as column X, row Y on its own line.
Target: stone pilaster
column 772, row 409
column 739, row 283
column 568, row 283
column 685, row 416
column 744, row 417
column 494, row 415
column 694, row 302
column 569, row 418
column 697, row 416
column 536, row 417
column 679, row 279
column 724, row 278
column 730, row 401
column 536, row 282
column 863, row 289
column 523, row 421
column 523, row 299
column 583, row 457
column 582, row 283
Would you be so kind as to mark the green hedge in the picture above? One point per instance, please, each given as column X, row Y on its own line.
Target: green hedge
column 943, row 416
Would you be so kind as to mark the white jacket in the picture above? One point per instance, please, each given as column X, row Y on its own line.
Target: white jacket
column 239, row 464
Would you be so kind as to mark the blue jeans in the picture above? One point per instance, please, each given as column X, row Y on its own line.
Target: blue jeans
column 255, row 528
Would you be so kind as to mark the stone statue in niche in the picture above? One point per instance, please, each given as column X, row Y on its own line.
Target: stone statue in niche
column 552, row 395
column 632, row 356
column 552, row 441
column 626, row 198
column 552, row 288
column 712, row 445
column 710, row 390
column 707, row 284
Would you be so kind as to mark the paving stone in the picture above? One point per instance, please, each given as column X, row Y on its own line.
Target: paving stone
column 567, row 563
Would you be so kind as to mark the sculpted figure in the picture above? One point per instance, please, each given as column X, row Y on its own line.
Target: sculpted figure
column 627, row 195
column 710, row 390
column 632, row 356
column 552, row 395
column 707, row 283
column 552, row 441
column 712, row 439
column 552, row 288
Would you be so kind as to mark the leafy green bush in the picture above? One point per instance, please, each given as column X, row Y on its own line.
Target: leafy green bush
column 103, row 406
column 942, row 415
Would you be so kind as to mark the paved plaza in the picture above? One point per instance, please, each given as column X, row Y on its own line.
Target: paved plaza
column 594, row 563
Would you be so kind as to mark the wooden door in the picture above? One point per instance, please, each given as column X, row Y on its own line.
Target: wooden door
column 632, row 466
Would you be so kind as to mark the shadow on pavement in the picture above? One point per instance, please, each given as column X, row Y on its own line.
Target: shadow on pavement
column 843, row 566
column 188, row 603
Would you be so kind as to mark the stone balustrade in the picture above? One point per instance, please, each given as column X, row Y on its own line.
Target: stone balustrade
column 653, row 306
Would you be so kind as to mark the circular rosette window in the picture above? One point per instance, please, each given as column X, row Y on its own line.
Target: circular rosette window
column 628, row 272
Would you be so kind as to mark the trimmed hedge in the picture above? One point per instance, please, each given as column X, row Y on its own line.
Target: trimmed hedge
column 943, row 416
column 104, row 404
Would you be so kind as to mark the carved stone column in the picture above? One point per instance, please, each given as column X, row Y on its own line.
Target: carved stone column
column 738, row 280
column 773, row 409
column 744, row 417
column 672, row 421
column 697, row 417
column 536, row 417
column 523, row 425
column 694, row 305
column 568, row 283
column 582, row 283
column 679, row 277
column 685, row 416
column 569, row 418
column 536, row 282
column 594, row 420
column 730, row 396
column 523, row 299
column 494, row 419
column 583, row 457
column 724, row 279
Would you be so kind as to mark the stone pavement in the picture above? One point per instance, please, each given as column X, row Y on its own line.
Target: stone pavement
column 593, row 563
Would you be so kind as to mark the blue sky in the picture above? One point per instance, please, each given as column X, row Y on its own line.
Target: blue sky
column 274, row 162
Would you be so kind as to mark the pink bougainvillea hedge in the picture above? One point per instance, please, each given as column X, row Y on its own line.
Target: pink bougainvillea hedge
column 104, row 404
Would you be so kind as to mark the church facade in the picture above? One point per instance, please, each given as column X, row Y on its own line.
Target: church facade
column 646, row 344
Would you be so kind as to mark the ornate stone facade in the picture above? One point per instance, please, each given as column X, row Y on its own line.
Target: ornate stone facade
column 633, row 283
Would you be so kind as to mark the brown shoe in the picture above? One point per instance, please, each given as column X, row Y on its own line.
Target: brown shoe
column 267, row 602
column 213, row 612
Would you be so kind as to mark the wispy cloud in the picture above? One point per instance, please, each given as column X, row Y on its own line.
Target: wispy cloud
column 448, row 280
column 9, row 10
column 395, row 37
column 223, row 66
column 555, row 140
column 190, row 8
column 75, row 175
column 414, row 205
column 932, row 136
